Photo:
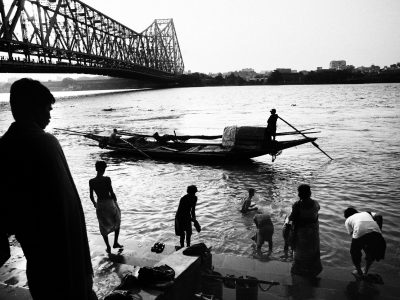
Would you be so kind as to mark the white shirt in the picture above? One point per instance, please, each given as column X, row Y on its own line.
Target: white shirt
column 360, row 224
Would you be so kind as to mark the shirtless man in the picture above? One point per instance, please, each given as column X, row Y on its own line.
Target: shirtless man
column 247, row 206
column 107, row 209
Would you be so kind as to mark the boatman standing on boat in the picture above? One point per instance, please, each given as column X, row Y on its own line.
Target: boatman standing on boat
column 271, row 128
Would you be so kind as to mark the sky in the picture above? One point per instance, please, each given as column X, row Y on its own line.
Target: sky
column 229, row 35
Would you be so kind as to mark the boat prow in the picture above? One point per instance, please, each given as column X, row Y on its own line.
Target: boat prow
column 293, row 143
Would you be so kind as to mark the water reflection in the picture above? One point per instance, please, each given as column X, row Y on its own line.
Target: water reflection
column 358, row 125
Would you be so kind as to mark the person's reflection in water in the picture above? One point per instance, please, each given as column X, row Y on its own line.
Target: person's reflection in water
column 107, row 209
column 40, row 203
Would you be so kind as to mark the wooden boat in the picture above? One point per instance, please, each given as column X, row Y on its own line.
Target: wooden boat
column 248, row 142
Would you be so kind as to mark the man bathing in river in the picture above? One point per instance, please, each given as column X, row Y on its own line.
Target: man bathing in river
column 265, row 230
column 107, row 209
column 247, row 206
column 366, row 236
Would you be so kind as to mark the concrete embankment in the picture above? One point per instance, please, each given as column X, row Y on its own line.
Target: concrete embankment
column 332, row 283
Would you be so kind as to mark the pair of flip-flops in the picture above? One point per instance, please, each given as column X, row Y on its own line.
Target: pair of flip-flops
column 158, row 247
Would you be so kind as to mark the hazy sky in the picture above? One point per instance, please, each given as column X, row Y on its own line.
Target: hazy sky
column 228, row 35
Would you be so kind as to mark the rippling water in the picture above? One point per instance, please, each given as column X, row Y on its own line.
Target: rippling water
column 359, row 127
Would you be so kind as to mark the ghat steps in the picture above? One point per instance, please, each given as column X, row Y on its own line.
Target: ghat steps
column 332, row 283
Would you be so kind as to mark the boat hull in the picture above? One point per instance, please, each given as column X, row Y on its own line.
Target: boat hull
column 180, row 151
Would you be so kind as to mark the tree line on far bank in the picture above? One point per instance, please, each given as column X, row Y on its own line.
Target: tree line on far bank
column 278, row 78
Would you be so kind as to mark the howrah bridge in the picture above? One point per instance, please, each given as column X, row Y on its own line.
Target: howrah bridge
column 68, row 36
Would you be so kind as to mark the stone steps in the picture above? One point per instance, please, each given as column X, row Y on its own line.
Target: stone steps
column 333, row 283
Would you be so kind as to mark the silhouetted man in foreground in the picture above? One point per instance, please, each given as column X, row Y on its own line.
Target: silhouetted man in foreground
column 39, row 201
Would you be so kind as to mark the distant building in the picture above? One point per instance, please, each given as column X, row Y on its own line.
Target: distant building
column 284, row 70
column 247, row 70
column 337, row 65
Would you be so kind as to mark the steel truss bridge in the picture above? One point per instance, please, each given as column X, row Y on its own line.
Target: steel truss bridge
column 68, row 36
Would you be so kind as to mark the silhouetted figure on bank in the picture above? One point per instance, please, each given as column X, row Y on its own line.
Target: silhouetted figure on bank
column 265, row 230
column 271, row 127
column 304, row 217
column 39, row 201
column 185, row 215
column 247, row 206
column 366, row 236
column 107, row 209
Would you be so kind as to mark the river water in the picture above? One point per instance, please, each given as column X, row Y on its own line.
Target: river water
column 359, row 127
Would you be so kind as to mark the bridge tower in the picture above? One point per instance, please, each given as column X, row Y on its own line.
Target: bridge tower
column 68, row 36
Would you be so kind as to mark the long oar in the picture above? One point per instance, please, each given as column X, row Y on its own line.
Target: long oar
column 73, row 131
column 314, row 143
column 138, row 150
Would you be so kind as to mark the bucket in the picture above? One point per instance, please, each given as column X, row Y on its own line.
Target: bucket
column 246, row 290
column 212, row 286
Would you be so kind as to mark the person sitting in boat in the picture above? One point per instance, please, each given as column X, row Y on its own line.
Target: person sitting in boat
column 164, row 138
column 114, row 137
column 247, row 206
column 107, row 209
column 270, row 132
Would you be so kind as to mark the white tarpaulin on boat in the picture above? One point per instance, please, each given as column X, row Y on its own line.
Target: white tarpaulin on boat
column 228, row 137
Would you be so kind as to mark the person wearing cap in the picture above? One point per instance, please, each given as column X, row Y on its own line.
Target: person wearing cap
column 271, row 127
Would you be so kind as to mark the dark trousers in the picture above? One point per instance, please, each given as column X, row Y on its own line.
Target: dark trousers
column 372, row 244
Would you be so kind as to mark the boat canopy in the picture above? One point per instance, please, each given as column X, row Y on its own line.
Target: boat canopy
column 244, row 137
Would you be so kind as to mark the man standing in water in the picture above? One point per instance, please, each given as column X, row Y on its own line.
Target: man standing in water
column 367, row 236
column 107, row 209
column 271, row 127
column 40, row 203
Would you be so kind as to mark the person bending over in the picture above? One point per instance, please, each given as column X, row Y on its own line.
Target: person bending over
column 185, row 215
column 265, row 230
column 247, row 206
column 366, row 236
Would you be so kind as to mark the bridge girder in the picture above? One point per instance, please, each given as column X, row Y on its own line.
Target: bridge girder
column 59, row 35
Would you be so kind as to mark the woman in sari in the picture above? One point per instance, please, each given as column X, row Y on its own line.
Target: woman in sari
column 307, row 261
column 107, row 209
